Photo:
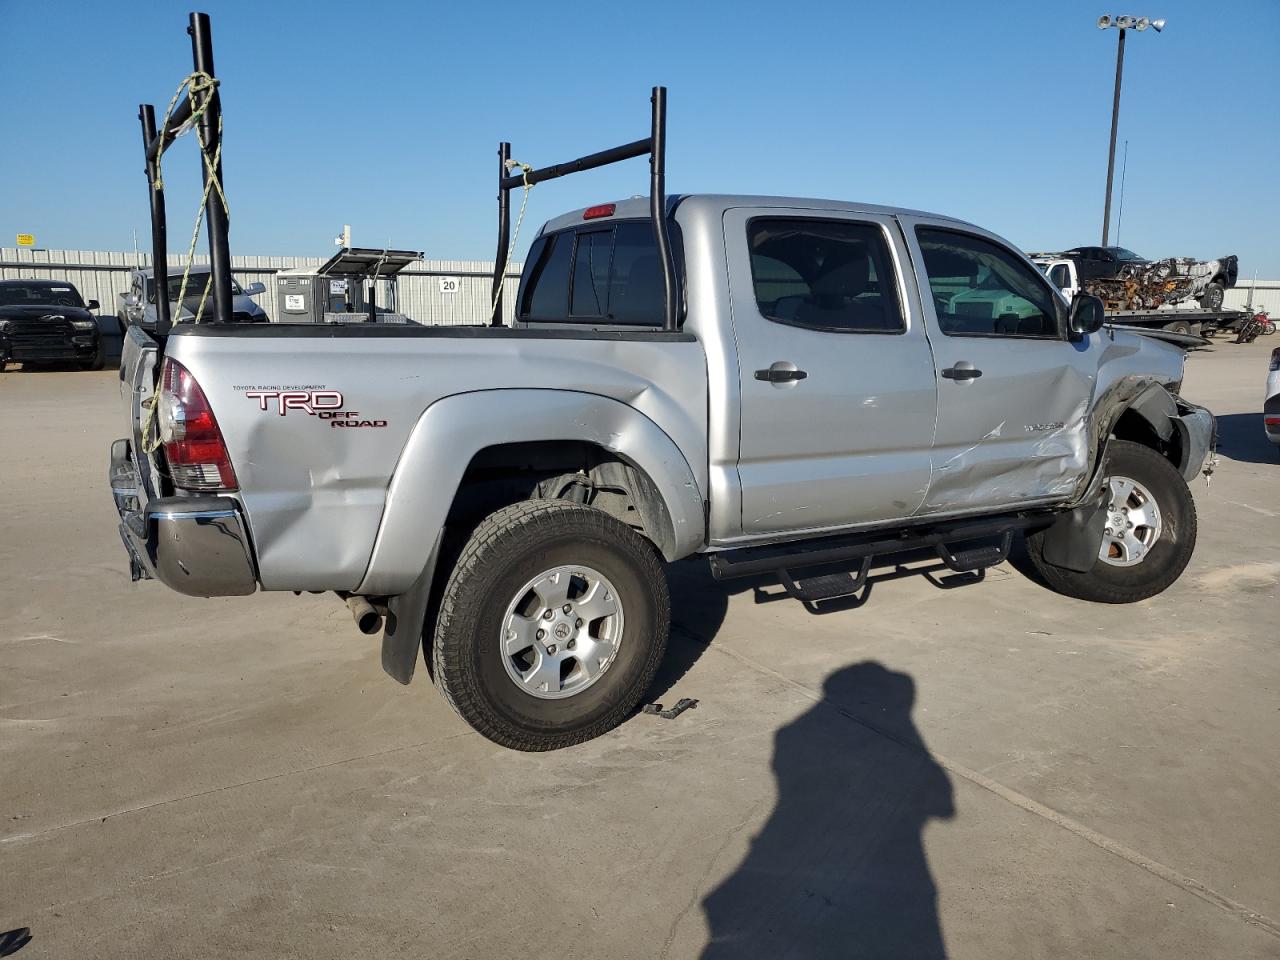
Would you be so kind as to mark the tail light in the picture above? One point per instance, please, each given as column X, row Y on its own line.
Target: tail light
column 198, row 458
column 599, row 210
column 1275, row 359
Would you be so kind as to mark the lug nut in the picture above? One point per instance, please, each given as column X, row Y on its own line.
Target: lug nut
column 551, row 649
column 567, row 608
column 578, row 623
column 571, row 645
column 542, row 633
column 547, row 615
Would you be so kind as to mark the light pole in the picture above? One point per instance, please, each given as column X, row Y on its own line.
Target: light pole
column 1123, row 24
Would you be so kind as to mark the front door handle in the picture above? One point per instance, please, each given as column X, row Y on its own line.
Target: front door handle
column 781, row 372
column 963, row 370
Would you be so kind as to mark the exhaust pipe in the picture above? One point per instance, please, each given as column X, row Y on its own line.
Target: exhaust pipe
column 368, row 620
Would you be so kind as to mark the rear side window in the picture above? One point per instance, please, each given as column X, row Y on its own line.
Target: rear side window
column 833, row 275
column 981, row 289
column 599, row 276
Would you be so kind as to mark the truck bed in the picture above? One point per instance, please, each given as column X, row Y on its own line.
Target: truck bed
column 317, row 475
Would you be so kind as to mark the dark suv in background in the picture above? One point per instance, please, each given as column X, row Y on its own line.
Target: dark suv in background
column 48, row 321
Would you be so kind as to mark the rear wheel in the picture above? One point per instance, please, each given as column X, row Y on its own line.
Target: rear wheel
column 1149, row 533
column 1178, row 326
column 551, row 626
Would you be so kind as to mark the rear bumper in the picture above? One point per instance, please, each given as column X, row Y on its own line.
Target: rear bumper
column 195, row 545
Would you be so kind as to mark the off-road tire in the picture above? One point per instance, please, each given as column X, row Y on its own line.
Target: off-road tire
column 1169, row 555
column 1212, row 297
column 508, row 548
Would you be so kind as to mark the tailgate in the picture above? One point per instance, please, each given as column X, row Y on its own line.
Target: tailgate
column 140, row 357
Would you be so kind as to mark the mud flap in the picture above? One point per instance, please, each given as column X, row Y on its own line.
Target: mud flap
column 1075, row 538
column 406, row 617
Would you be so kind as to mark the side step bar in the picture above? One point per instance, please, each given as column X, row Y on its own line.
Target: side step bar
column 946, row 539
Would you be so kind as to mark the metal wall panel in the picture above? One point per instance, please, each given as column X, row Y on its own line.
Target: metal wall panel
column 104, row 275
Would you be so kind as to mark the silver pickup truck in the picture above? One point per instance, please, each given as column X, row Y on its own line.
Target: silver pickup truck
column 789, row 386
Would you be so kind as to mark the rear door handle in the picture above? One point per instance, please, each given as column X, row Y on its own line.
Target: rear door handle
column 963, row 370
column 781, row 372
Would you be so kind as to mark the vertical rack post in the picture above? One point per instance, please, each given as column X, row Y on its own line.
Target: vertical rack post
column 658, row 205
column 159, row 227
column 215, row 212
column 504, row 236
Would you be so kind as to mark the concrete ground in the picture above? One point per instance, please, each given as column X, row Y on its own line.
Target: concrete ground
column 988, row 771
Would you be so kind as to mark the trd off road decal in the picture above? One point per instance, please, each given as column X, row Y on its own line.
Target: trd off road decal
column 314, row 401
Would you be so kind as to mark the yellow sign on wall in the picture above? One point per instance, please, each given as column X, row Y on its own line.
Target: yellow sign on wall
column 26, row 240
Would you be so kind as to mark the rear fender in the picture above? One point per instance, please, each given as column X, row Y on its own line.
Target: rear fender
column 454, row 429
column 426, row 481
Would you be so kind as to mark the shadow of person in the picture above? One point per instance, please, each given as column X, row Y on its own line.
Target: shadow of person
column 839, row 869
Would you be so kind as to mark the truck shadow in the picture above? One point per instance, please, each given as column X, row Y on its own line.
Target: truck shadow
column 1242, row 438
column 839, row 869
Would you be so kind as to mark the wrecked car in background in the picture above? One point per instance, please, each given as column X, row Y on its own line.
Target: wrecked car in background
column 1126, row 281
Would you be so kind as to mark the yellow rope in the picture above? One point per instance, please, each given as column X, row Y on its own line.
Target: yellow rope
column 200, row 89
column 525, row 170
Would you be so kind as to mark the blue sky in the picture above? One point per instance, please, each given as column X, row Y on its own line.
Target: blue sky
column 995, row 112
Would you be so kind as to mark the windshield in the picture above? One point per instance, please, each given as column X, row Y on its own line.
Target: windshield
column 39, row 295
column 196, row 282
column 1122, row 254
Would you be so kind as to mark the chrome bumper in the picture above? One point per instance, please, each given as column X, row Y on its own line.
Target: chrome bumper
column 195, row 545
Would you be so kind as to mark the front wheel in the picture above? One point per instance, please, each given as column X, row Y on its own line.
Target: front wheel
column 551, row 626
column 1149, row 533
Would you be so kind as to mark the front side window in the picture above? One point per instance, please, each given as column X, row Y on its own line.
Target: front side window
column 981, row 289
column 833, row 275
column 1060, row 275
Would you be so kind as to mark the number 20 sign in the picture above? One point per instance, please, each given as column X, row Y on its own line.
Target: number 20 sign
column 450, row 284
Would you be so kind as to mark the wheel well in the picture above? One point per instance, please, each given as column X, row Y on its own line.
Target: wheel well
column 1136, row 428
column 584, row 472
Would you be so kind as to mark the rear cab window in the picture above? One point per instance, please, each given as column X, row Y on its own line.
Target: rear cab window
column 600, row 274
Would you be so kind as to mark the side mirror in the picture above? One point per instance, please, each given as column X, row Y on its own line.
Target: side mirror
column 91, row 305
column 1087, row 316
column 253, row 289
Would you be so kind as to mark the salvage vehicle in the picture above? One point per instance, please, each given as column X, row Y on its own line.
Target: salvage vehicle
column 1271, row 402
column 47, row 321
column 1126, row 281
column 138, row 305
column 785, row 386
column 1182, row 319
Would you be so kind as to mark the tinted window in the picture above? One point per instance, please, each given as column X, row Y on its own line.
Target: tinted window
column 591, row 273
column 1060, row 275
column 546, row 294
column 616, row 276
column 39, row 295
column 635, row 283
column 981, row 289
column 825, row 274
